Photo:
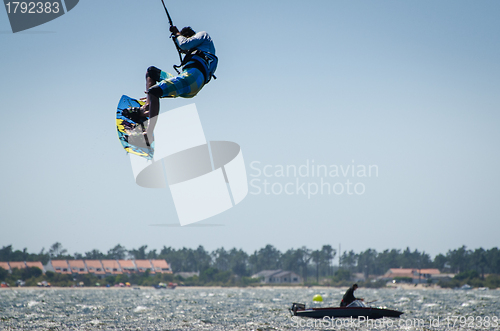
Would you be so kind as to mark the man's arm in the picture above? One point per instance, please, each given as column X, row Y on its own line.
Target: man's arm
column 189, row 43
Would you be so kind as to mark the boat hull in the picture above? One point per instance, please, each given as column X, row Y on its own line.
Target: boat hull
column 346, row 312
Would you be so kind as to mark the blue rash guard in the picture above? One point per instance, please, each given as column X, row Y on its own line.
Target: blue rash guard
column 200, row 53
column 200, row 41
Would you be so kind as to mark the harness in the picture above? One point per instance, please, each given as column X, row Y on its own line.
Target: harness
column 203, row 61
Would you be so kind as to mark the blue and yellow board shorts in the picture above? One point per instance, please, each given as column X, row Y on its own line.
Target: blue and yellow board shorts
column 185, row 85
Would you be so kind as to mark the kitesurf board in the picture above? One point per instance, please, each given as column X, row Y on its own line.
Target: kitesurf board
column 130, row 129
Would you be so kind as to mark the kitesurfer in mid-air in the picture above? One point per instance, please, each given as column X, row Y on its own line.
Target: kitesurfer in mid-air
column 198, row 67
column 349, row 296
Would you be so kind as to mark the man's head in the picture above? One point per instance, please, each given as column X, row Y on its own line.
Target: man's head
column 187, row 32
column 355, row 286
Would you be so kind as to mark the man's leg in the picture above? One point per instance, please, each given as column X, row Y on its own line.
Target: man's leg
column 152, row 106
column 187, row 85
column 154, row 109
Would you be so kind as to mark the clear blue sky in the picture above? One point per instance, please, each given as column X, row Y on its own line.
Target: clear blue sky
column 409, row 86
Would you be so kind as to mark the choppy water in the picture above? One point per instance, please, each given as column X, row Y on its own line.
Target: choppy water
column 234, row 309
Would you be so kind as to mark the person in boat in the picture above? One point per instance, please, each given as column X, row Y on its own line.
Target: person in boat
column 349, row 296
column 198, row 67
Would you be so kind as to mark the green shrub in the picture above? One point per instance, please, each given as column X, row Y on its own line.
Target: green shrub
column 492, row 281
column 469, row 274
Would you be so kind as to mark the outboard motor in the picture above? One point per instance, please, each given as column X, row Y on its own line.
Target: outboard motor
column 297, row 306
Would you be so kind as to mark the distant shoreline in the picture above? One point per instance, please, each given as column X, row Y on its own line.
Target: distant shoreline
column 395, row 287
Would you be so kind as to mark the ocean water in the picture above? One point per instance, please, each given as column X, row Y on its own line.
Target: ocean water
column 238, row 309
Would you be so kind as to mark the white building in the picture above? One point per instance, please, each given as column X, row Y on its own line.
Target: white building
column 278, row 277
column 414, row 275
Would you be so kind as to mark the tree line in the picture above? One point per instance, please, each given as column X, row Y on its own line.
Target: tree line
column 454, row 261
column 306, row 262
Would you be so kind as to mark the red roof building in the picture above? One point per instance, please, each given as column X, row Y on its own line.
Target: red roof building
column 18, row 265
column 127, row 266
column 94, row 267
column 161, row 266
column 60, row 266
column 111, row 267
column 5, row 265
column 36, row 264
column 143, row 265
column 416, row 275
column 411, row 273
column 77, row 267
column 429, row 271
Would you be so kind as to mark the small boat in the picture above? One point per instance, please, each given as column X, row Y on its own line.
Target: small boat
column 160, row 286
column 170, row 286
column 43, row 284
column 355, row 310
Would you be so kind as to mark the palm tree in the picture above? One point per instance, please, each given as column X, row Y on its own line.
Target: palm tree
column 328, row 254
column 117, row 253
column 303, row 256
column 56, row 250
column 317, row 259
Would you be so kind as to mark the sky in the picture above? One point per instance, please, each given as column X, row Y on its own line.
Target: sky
column 406, row 89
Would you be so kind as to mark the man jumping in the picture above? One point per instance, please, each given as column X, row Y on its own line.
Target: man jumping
column 198, row 67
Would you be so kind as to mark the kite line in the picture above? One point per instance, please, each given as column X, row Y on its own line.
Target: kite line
column 172, row 35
